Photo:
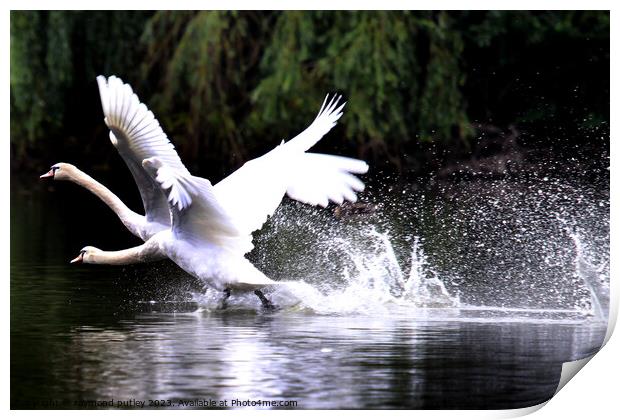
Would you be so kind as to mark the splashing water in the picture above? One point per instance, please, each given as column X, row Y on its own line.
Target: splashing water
column 509, row 245
column 595, row 279
column 371, row 282
column 375, row 279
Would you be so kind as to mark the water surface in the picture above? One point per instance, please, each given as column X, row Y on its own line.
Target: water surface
column 381, row 327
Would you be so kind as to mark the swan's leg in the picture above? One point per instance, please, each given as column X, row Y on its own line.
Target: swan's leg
column 223, row 304
column 266, row 302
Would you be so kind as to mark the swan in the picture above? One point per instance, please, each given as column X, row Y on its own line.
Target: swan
column 144, row 126
column 116, row 98
column 141, row 226
column 210, row 227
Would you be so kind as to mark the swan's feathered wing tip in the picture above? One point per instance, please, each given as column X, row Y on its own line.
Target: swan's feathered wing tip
column 120, row 105
column 133, row 124
column 323, row 105
column 326, row 119
column 333, row 109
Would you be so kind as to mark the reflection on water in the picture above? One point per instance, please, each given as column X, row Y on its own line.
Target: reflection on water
column 319, row 361
column 101, row 333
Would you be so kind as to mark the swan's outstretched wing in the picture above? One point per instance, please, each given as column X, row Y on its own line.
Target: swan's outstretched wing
column 137, row 135
column 254, row 191
column 197, row 216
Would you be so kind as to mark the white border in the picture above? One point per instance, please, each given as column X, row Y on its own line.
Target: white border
column 593, row 393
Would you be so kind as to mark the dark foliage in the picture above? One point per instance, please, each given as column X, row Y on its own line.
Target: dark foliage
column 226, row 86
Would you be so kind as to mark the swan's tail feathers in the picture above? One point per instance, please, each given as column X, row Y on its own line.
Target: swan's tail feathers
column 326, row 119
column 319, row 179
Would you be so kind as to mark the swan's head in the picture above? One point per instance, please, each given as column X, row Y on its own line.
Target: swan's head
column 60, row 172
column 88, row 255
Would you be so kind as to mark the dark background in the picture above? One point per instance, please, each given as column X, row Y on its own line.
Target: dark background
column 435, row 95
column 429, row 92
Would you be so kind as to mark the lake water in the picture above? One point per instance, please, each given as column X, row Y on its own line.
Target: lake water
column 378, row 313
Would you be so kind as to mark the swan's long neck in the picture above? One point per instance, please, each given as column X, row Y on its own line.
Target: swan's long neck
column 139, row 254
column 129, row 218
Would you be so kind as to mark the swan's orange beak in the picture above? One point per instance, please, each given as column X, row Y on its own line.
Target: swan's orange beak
column 78, row 260
column 49, row 174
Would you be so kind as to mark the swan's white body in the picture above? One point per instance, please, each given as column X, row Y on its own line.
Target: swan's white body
column 216, row 266
column 207, row 229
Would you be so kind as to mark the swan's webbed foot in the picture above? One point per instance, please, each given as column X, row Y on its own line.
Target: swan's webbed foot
column 223, row 303
column 266, row 302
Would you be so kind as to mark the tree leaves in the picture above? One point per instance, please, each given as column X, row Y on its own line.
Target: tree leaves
column 228, row 85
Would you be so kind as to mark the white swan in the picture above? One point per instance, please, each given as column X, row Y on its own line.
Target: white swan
column 141, row 226
column 212, row 225
column 117, row 100
column 141, row 127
